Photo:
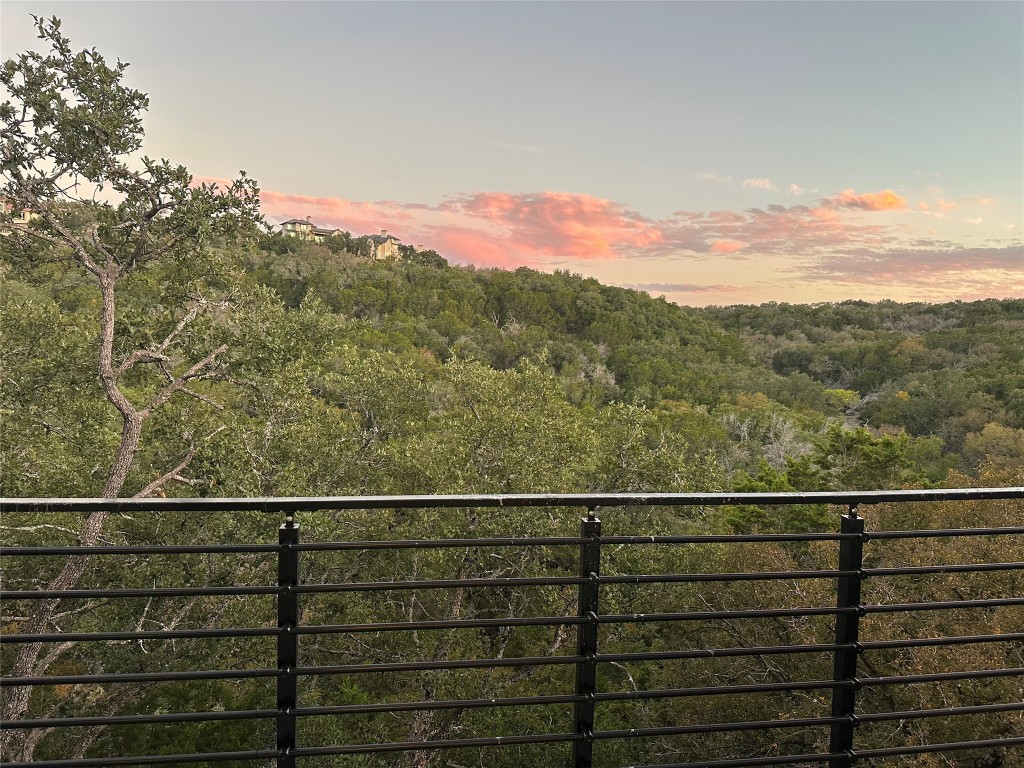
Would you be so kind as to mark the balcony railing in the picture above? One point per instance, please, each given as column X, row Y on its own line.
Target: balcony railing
column 576, row 630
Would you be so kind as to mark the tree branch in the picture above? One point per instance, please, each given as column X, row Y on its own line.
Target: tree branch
column 174, row 474
column 200, row 370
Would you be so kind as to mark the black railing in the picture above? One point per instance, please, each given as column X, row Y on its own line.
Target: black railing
column 500, row 585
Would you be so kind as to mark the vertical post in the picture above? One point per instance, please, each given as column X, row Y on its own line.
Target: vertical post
column 844, row 699
column 287, row 640
column 586, row 640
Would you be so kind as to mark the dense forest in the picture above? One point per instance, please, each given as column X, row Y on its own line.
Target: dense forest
column 378, row 364
column 170, row 345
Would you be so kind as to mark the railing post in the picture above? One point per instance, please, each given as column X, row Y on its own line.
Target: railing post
column 586, row 640
column 844, row 699
column 287, row 640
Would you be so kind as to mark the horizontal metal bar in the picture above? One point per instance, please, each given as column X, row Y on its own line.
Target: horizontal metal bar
column 384, row 586
column 709, row 653
column 682, row 578
column 588, row 500
column 410, row 706
column 877, row 645
column 938, row 677
column 70, row 594
column 408, row 746
column 947, row 605
column 728, row 538
column 415, row 666
column 527, row 541
column 401, row 626
column 571, row 699
column 169, row 717
column 101, row 762
column 743, row 762
column 916, row 714
column 156, row 634
column 940, row 533
column 752, row 725
column 929, row 569
column 156, row 549
column 954, row 746
column 140, row 677
column 723, row 690
column 637, row 618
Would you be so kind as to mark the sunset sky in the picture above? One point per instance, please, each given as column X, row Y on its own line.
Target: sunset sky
column 714, row 153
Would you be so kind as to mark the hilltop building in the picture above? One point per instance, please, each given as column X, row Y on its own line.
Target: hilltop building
column 385, row 246
column 304, row 229
column 382, row 246
column 14, row 219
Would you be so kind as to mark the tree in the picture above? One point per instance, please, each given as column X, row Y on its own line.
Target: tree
column 70, row 134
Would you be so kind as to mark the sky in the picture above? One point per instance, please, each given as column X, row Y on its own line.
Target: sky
column 711, row 152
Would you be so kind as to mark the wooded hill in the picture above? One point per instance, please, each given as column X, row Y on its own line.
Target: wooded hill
column 377, row 365
column 343, row 375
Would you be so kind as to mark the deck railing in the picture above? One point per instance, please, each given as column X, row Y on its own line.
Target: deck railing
column 472, row 572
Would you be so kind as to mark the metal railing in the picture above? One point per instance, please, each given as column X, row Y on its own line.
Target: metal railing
column 396, row 591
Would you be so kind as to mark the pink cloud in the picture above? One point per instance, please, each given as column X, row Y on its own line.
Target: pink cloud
column 560, row 224
column 946, row 206
column 471, row 246
column 886, row 200
column 827, row 241
column 726, row 246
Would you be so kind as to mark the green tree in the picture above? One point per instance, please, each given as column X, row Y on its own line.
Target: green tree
column 71, row 134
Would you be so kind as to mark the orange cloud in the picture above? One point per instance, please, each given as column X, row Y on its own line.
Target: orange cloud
column 823, row 242
column 561, row 224
column 726, row 246
column 886, row 200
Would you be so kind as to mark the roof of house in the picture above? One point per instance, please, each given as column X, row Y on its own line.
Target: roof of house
column 297, row 221
column 381, row 239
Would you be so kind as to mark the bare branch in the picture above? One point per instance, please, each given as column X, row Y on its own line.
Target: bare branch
column 175, row 474
column 158, row 353
column 200, row 396
column 203, row 369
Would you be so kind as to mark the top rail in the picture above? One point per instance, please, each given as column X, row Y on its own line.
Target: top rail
column 588, row 500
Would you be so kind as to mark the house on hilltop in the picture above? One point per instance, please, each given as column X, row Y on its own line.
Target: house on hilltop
column 382, row 246
column 12, row 218
column 385, row 246
column 304, row 229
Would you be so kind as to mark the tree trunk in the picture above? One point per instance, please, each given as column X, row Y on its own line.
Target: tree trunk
column 16, row 703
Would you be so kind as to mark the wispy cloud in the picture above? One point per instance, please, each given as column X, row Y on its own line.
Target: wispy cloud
column 712, row 176
column 685, row 288
column 760, row 184
column 869, row 266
